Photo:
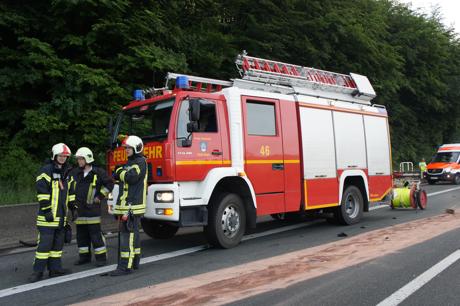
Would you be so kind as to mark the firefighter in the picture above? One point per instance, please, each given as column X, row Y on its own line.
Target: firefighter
column 130, row 206
column 422, row 166
column 55, row 196
column 92, row 186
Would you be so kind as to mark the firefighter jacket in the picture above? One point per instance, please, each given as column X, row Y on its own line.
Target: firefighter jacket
column 133, row 186
column 96, row 184
column 54, row 194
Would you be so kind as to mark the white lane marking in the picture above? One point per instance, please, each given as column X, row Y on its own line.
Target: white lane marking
column 403, row 293
column 150, row 259
column 442, row 191
column 92, row 272
column 378, row 207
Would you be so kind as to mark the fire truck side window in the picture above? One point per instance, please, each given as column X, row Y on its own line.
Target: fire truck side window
column 207, row 122
column 261, row 119
column 182, row 120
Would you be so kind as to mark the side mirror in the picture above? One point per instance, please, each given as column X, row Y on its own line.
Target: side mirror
column 186, row 142
column 194, row 110
column 192, row 127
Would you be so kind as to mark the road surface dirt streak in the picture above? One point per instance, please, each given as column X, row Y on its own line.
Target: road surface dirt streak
column 242, row 281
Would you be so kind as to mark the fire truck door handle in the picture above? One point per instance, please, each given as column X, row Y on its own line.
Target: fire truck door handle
column 277, row 166
column 215, row 152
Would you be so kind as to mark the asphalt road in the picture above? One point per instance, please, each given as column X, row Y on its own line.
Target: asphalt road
column 365, row 284
column 374, row 281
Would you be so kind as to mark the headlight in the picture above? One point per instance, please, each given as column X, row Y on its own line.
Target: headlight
column 164, row 196
column 448, row 169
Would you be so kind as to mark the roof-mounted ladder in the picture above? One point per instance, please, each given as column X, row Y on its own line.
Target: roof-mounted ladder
column 279, row 73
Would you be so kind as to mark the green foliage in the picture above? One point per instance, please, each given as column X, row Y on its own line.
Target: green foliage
column 66, row 66
column 17, row 176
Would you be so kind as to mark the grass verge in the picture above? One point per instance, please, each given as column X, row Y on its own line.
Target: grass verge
column 13, row 194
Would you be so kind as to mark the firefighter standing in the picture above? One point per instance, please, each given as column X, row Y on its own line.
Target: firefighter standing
column 92, row 186
column 130, row 204
column 55, row 196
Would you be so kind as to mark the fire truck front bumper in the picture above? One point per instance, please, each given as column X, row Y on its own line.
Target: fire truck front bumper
column 442, row 177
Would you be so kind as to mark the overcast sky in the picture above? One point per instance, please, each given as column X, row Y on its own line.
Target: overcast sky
column 450, row 10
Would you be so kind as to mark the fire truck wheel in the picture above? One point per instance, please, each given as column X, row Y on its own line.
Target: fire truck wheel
column 226, row 221
column 351, row 209
column 158, row 230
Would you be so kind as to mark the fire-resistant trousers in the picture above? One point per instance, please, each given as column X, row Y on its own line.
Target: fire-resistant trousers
column 88, row 234
column 49, row 249
column 130, row 245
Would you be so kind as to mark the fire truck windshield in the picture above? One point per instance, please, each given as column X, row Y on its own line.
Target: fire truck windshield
column 446, row 157
column 147, row 121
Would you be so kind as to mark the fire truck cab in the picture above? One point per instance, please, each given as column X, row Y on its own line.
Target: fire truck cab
column 281, row 139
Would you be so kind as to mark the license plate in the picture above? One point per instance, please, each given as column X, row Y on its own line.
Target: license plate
column 434, row 178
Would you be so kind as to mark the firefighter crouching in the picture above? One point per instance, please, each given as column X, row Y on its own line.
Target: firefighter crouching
column 55, row 196
column 92, row 185
column 130, row 205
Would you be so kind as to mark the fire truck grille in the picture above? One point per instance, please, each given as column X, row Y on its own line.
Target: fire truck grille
column 435, row 171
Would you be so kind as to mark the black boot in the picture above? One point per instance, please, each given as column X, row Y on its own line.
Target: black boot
column 120, row 272
column 82, row 261
column 60, row 272
column 35, row 277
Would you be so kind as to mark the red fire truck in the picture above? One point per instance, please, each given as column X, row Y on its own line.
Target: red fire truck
column 281, row 139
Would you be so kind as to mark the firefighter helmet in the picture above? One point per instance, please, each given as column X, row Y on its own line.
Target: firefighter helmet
column 61, row 149
column 135, row 143
column 86, row 154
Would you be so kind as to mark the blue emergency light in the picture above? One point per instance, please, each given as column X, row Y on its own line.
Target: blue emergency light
column 139, row 94
column 182, row 82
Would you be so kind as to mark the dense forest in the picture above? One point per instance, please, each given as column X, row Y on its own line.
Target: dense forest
column 67, row 65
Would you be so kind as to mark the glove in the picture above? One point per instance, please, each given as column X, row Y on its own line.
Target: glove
column 49, row 216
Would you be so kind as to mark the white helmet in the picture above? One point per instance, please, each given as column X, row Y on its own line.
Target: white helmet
column 135, row 143
column 86, row 154
column 61, row 149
